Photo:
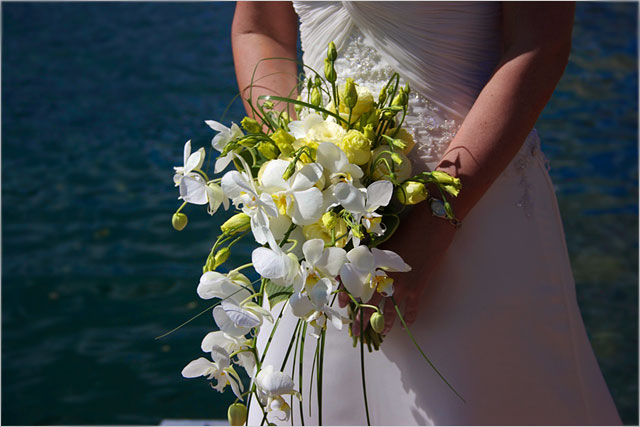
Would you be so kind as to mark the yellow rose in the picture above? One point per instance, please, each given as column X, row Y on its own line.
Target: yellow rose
column 325, row 131
column 318, row 230
column 385, row 160
column 356, row 146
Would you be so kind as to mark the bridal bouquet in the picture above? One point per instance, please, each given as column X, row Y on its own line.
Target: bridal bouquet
column 318, row 195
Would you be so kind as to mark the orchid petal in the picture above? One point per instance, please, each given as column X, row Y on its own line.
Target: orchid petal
column 319, row 294
column 193, row 189
column 352, row 279
column 306, row 177
column 362, row 258
column 331, row 261
column 349, row 197
column 197, row 368
column 271, row 177
column 300, row 305
column 307, row 207
column 269, row 264
column 379, row 194
column 389, row 260
column 239, row 316
column 312, row 250
column 222, row 163
column 194, row 161
column 226, row 325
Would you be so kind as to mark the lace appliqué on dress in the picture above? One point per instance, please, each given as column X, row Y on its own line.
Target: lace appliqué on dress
column 430, row 127
column 519, row 167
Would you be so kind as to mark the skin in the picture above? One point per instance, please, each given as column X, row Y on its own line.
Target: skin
column 536, row 43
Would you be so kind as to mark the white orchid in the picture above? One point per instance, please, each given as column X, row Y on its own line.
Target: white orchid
column 274, row 264
column 193, row 186
column 315, row 284
column 271, row 385
column 224, row 136
column 220, row 370
column 363, row 203
column 233, row 286
column 238, row 320
column 336, row 165
column 297, row 196
column 241, row 189
column 366, row 271
column 231, row 345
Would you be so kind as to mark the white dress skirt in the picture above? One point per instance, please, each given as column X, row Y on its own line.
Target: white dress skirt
column 500, row 318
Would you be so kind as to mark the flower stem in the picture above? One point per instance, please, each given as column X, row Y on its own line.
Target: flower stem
column 406, row 328
column 301, row 369
column 364, row 383
column 273, row 331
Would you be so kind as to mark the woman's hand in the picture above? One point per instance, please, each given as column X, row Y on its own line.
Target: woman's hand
column 421, row 241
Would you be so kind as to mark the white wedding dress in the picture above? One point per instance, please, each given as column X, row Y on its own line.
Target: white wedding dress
column 500, row 318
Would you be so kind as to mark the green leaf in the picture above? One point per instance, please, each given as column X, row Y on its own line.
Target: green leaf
column 276, row 293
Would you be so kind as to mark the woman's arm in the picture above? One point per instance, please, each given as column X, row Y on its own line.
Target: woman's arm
column 265, row 29
column 536, row 45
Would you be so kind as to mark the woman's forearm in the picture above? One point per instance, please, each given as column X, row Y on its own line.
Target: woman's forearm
column 265, row 30
column 509, row 105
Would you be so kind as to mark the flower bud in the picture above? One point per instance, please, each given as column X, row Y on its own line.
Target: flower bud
column 268, row 149
column 268, row 105
column 332, row 52
column 284, row 118
column 386, row 160
column 388, row 114
column 251, row 125
column 369, row 133
column 382, row 97
column 284, row 141
column 179, row 221
column 444, row 178
column 316, row 97
column 248, row 141
column 289, row 171
column 317, row 81
column 236, row 224
column 411, row 193
column 377, row 322
column 329, row 71
column 298, row 108
column 396, row 158
column 237, row 414
column 401, row 99
column 329, row 220
column 350, row 94
column 221, row 256
column 451, row 185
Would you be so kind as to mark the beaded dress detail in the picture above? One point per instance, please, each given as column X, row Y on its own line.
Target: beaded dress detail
column 431, row 127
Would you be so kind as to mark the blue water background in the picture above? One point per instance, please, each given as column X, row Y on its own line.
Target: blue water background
column 97, row 102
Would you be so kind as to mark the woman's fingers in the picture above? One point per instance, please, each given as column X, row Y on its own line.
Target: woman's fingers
column 389, row 315
column 367, row 312
column 343, row 299
column 411, row 307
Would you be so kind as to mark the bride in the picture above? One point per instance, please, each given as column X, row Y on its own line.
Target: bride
column 492, row 302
